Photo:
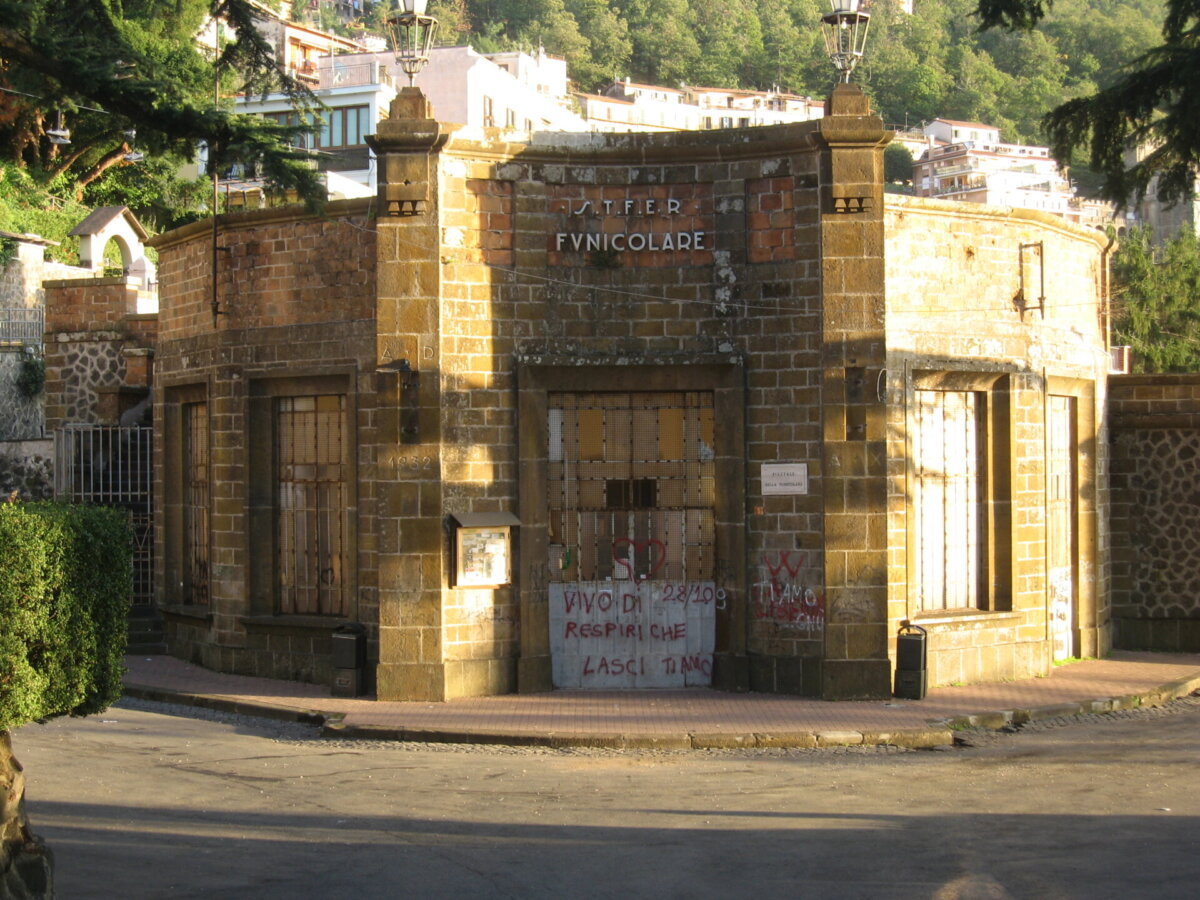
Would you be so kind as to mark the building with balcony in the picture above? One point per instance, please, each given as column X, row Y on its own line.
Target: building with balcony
column 356, row 90
column 299, row 48
column 967, row 161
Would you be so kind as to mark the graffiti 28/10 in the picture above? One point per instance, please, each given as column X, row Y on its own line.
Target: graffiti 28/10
column 605, row 600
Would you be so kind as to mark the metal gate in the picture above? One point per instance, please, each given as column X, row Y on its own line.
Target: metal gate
column 110, row 465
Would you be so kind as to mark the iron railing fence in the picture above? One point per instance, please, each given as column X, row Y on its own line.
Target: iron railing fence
column 111, row 465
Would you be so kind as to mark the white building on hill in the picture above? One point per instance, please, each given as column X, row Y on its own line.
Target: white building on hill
column 513, row 91
column 967, row 161
column 629, row 106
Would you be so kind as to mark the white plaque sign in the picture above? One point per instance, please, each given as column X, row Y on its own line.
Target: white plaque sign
column 784, row 478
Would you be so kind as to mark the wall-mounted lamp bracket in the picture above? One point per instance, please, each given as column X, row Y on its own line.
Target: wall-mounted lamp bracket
column 1020, row 302
column 410, row 384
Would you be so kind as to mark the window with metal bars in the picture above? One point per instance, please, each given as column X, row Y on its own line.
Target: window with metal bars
column 196, row 503
column 310, row 505
column 631, row 485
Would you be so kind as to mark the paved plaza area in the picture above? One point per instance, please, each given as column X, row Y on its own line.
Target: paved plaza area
column 679, row 719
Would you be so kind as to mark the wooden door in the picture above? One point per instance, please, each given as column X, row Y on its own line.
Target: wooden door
column 631, row 481
column 1061, row 571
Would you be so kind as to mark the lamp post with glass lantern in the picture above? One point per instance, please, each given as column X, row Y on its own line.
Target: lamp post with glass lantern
column 412, row 31
column 845, row 30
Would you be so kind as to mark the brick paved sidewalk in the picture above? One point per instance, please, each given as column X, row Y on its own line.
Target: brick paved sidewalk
column 681, row 719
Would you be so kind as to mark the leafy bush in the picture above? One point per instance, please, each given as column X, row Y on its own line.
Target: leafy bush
column 32, row 377
column 66, row 575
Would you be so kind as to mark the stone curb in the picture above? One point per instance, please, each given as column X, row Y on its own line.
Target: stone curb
column 994, row 721
column 915, row 738
column 227, row 704
column 939, row 733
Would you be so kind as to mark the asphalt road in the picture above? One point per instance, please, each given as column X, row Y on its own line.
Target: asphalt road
column 142, row 804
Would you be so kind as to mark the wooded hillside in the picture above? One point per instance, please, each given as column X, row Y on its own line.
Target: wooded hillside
column 932, row 63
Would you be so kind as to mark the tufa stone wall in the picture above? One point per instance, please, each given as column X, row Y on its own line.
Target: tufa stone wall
column 747, row 266
column 961, row 283
column 296, row 295
column 27, row 467
column 1155, row 431
column 22, row 418
column 609, row 281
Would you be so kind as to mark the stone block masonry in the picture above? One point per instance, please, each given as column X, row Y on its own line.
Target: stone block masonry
column 1007, row 308
column 685, row 364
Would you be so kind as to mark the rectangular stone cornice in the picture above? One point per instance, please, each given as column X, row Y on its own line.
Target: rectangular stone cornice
column 854, row 131
column 637, row 149
column 420, row 135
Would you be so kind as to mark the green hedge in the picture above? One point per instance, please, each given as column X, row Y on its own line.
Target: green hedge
column 66, row 576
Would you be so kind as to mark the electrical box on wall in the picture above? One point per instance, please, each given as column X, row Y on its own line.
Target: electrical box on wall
column 482, row 546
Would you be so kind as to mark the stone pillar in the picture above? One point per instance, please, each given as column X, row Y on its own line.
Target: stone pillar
column 854, row 457
column 411, row 538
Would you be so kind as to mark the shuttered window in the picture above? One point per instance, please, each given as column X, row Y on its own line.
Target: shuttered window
column 949, row 462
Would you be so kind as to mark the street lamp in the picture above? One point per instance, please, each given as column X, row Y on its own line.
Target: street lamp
column 845, row 35
column 412, row 36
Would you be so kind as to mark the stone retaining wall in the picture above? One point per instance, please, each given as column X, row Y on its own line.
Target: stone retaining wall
column 1155, row 422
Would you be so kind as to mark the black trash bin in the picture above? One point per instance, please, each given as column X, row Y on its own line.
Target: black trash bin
column 349, row 660
column 910, row 662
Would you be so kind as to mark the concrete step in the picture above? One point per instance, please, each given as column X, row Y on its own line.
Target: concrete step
column 146, row 634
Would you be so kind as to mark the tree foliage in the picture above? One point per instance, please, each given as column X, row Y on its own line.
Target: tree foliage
column 105, row 68
column 28, row 207
column 1156, row 307
column 917, row 67
column 897, row 164
column 1153, row 107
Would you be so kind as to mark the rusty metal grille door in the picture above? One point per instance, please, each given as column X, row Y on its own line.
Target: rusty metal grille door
column 112, row 466
column 631, row 488
column 948, row 462
column 196, row 504
column 311, row 504
column 1060, row 530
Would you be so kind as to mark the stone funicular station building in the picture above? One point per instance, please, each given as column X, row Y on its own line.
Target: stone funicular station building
column 632, row 411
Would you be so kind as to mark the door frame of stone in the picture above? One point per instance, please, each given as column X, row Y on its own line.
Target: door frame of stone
column 1089, row 606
